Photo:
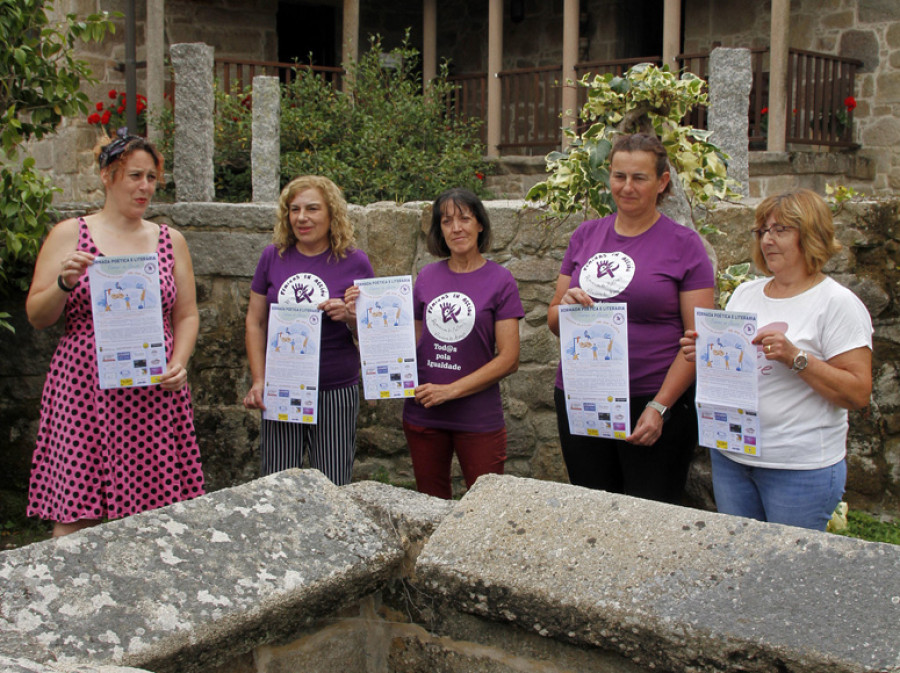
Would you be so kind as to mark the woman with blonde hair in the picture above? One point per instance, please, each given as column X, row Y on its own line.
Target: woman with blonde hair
column 814, row 362
column 312, row 260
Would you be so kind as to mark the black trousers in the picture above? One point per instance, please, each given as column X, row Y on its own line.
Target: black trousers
column 656, row 472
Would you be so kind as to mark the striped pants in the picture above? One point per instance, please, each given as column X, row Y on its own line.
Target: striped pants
column 331, row 443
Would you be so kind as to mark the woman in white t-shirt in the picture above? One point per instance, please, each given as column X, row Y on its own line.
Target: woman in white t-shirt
column 814, row 362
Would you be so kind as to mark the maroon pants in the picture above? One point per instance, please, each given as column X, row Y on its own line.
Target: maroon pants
column 432, row 451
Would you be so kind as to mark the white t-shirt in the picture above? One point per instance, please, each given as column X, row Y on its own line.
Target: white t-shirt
column 800, row 429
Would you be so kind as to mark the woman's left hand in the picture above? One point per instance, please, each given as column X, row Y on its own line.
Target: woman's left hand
column 433, row 394
column 776, row 346
column 648, row 429
column 175, row 377
column 336, row 309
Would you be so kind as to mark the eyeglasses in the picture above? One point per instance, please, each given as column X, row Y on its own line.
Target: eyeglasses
column 775, row 230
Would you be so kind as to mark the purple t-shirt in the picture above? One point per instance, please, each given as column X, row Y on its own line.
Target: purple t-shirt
column 647, row 272
column 458, row 312
column 294, row 278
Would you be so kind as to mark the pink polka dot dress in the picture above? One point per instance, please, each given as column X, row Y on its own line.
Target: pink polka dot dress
column 110, row 453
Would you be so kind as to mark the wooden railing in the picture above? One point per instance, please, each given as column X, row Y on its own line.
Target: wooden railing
column 820, row 98
column 819, row 88
column 234, row 73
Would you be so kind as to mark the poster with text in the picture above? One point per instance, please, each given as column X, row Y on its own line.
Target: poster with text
column 727, row 394
column 292, row 363
column 593, row 345
column 387, row 337
column 128, row 322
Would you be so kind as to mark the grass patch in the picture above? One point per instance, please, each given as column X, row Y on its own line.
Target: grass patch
column 866, row 527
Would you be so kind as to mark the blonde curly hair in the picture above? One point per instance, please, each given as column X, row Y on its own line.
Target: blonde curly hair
column 341, row 237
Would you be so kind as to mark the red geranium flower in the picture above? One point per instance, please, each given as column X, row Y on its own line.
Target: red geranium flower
column 99, row 107
column 94, row 118
column 480, row 176
column 765, row 110
column 850, row 103
column 105, row 118
column 113, row 93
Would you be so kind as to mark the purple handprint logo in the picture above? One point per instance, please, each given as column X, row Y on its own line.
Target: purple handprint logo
column 450, row 312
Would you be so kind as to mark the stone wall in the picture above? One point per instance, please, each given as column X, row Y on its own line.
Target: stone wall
column 291, row 573
column 226, row 240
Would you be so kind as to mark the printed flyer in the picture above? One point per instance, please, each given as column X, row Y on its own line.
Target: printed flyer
column 387, row 337
column 727, row 393
column 128, row 321
column 292, row 364
column 594, row 354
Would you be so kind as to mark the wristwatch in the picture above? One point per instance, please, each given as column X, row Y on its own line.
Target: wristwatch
column 800, row 362
column 661, row 408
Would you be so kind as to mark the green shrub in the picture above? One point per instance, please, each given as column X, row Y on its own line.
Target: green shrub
column 231, row 156
column 385, row 142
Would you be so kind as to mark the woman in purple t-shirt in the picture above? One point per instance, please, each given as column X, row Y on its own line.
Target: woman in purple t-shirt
column 467, row 312
column 311, row 261
column 660, row 269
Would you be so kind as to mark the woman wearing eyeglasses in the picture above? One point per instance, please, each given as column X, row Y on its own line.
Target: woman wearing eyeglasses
column 110, row 453
column 814, row 362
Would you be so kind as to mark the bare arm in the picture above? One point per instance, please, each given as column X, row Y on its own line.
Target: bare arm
column 185, row 316
column 679, row 377
column 504, row 363
column 255, row 340
column 58, row 257
column 844, row 380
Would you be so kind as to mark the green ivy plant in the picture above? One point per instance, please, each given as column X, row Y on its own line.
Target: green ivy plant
column 646, row 99
column 40, row 84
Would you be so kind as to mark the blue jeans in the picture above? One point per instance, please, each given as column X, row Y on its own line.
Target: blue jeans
column 803, row 498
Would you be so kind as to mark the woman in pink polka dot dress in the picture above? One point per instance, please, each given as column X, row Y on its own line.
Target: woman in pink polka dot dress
column 112, row 453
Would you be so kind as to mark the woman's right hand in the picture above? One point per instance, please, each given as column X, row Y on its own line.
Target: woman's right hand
column 575, row 295
column 688, row 345
column 74, row 265
column 254, row 397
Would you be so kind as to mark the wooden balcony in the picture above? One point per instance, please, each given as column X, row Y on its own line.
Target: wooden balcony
column 818, row 86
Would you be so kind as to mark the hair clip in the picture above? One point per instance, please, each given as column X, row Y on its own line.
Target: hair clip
column 114, row 149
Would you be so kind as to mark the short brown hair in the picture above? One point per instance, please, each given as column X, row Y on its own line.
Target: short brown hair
column 645, row 142
column 460, row 199
column 340, row 231
column 809, row 214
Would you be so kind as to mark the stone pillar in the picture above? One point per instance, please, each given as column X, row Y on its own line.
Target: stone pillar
column 671, row 33
column 429, row 41
column 350, row 43
column 569, row 59
column 155, row 44
column 494, row 66
column 778, row 69
column 194, row 128
column 730, row 78
column 265, row 152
